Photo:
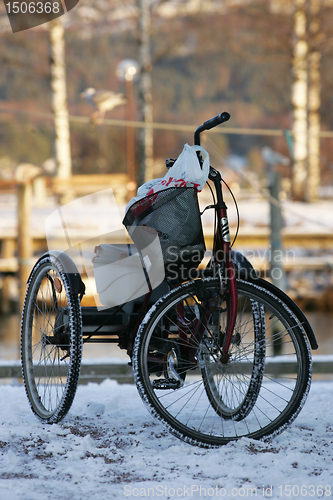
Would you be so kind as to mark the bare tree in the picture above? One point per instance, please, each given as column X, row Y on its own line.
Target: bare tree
column 313, row 181
column 300, row 100
column 59, row 101
column 146, row 161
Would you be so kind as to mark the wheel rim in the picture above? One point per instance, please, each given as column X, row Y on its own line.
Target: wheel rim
column 47, row 342
column 188, row 411
column 231, row 390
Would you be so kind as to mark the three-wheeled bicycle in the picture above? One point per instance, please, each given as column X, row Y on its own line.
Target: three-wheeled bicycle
column 215, row 358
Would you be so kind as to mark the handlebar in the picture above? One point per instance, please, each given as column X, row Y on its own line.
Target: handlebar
column 213, row 122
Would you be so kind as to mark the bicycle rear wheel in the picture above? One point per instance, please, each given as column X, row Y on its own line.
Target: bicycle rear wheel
column 209, row 403
column 51, row 341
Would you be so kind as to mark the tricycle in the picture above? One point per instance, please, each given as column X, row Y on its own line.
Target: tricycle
column 217, row 354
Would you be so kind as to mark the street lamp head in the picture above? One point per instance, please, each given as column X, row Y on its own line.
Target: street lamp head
column 131, row 72
column 128, row 70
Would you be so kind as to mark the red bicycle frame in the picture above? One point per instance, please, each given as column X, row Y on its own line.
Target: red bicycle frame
column 223, row 258
column 222, row 247
column 221, row 262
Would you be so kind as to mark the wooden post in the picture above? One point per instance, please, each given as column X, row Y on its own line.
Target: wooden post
column 7, row 252
column 276, row 266
column 24, row 237
column 39, row 191
column 24, row 175
column 130, row 144
column 272, row 160
column 277, row 273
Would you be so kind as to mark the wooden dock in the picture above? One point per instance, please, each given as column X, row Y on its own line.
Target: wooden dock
column 19, row 246
column 254, row 242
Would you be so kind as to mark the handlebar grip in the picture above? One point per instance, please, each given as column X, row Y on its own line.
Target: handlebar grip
column 213, row 122
column 217, row 120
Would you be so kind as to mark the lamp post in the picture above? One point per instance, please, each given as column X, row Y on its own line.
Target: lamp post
column 272, row 160
column 128, row 72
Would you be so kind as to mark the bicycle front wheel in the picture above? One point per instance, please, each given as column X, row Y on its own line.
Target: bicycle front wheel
column 257, row 393
column 232, row 401
column 51, row 341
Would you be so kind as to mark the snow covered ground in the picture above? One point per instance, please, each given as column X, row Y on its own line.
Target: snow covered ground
column 109, row 446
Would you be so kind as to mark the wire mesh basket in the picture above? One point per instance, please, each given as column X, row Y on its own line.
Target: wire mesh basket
column 175, row 216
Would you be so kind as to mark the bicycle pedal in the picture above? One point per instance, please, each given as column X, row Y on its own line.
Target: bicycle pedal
column 166, row 383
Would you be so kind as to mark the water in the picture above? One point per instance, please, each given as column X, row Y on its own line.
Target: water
column 321, row 322
column 10, row 343
column 322, row 325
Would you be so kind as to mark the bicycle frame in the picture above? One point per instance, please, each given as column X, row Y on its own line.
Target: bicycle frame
column 222, row 248
column 221, row 262
column 222, row 257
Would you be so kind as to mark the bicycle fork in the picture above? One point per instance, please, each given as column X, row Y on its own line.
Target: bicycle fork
column 231, row 290
column 197, row 327
column 222, row 257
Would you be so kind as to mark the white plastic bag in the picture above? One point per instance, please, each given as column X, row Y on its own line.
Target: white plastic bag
column 185, row 172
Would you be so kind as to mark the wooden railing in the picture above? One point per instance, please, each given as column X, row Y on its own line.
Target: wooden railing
column 81, row 185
